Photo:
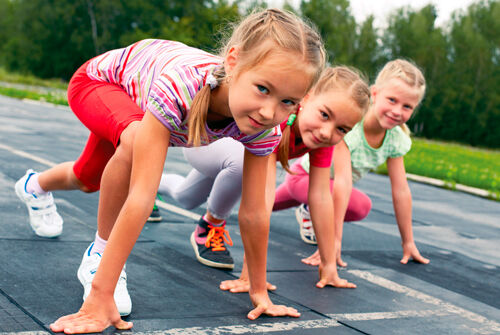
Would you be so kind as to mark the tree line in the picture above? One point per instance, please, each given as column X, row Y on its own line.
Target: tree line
column 460, row 59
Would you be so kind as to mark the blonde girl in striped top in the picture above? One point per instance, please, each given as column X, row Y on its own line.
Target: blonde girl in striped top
column 139, row 100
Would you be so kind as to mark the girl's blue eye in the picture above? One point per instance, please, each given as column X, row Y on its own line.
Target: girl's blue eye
column 392, row 100
column 262, row 89
column 288, row 102
column 324, row 115
column 342, row 130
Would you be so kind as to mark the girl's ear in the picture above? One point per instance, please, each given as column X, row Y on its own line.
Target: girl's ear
column 231, row 60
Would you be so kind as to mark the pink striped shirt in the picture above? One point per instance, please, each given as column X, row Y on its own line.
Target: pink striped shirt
column 163, row 77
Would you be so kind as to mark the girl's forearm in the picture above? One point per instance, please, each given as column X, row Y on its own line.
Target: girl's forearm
column 341, row 195
column 125, row 233
column 322, row 214
column 255, row 235
column 403, row 210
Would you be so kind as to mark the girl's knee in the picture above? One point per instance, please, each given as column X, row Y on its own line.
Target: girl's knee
column 362, row 209
column 125, row 146
column 81, row 186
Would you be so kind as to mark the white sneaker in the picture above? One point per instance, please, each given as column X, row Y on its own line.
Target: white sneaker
column 44, row 219
column 86, row 273
column 306, row 228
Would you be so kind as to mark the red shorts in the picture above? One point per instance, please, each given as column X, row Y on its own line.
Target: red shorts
column 106, row 110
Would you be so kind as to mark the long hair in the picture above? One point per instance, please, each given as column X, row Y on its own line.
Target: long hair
column 287, row 32
column 344, row 78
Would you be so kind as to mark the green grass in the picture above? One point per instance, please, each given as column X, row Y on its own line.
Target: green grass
column 455, row 164
column 31, row 80
column 25, row 94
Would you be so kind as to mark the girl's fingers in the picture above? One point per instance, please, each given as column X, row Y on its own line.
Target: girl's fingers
column 420, row 259
column 405, row 259
column 81, row 329
column 240, row 289
column 121, row 324
column 271, row 287
column 228, row 285
column 311, row 261
column 321, row 283
column 256, row 312
column 341, row 263
column 340, row 283
column 273, row 310
column 240, row 286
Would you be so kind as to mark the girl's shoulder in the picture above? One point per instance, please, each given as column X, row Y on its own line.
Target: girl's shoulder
column 355, row 137
column 399, row 142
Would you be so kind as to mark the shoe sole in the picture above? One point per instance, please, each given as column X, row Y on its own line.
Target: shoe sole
column 28, row 207
column 80, row 278
column 206, row 261
column 150, row 219
column 299, row 220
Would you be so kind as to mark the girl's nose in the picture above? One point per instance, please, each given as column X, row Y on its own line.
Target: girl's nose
column 267, row 112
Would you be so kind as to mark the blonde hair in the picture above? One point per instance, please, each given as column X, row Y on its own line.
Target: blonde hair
column 409, row 73
column 288, row 33
column 344, row 78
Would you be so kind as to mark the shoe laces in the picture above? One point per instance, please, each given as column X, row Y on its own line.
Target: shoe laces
column 216, row 237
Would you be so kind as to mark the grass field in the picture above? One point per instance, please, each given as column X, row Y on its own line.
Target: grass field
column 31, row 80
column 453, row 163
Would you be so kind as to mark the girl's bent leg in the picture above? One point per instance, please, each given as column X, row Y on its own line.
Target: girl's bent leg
column 359, row 206
column 222, row 162
column 115, row 182
column 61, row 177
column 293, row 191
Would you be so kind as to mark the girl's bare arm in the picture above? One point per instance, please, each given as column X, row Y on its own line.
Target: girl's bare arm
column 99, row 311
column 402, row 202
column 254, row 219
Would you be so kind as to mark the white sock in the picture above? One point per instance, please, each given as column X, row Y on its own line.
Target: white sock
column 169, row 183
column 220, row 224
column 32, row 186
column 99, row 245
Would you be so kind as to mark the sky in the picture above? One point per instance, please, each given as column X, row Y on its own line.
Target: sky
column 381, row 8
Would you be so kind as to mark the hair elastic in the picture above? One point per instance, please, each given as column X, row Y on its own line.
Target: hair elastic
column 291, row 119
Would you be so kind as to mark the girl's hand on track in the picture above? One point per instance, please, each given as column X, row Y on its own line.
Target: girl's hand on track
column 93, row 317
column 264, row 305
column 313, row 260
column 240, row 285
column 410, row 251
column 328, row 276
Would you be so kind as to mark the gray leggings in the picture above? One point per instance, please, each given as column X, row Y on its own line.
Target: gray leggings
column 215, row 178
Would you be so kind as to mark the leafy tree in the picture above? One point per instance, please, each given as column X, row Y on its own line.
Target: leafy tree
column 336, row 25
column 475, row 74
column 367, row 54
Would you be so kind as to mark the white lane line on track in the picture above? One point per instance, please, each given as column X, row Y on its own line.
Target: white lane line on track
column 387, row 315
column 491, row 325
column 247, row 329
column 28, row 155
column 48, row 163
column 177, row 210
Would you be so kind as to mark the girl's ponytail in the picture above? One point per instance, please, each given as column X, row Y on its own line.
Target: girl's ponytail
column 197, row 133
column 285, row 143
column 405, row 129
